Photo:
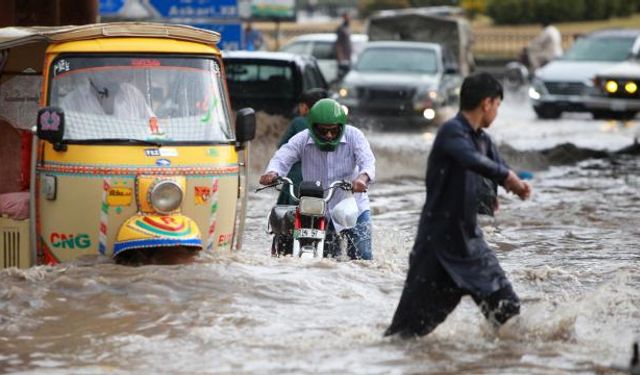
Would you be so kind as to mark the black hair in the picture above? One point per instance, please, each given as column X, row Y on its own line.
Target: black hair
column 311, row 96
column 477, row 87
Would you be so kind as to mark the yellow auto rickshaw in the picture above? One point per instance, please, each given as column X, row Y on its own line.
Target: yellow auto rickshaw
column 133, row 146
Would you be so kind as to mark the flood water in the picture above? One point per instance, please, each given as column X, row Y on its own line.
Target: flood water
column 571, row 252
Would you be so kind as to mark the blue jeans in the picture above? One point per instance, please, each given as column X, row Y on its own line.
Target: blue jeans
column 358, row 239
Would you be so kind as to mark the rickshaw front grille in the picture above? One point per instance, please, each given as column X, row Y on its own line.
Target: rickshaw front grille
column 14, row 242
column 11, row 246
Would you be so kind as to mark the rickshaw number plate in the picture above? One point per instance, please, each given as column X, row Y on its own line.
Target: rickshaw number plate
column 117, row 196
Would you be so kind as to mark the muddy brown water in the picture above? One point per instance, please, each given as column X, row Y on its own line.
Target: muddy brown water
column 571, row 252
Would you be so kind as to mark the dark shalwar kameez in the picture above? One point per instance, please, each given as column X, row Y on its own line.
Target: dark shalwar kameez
column 450, row 257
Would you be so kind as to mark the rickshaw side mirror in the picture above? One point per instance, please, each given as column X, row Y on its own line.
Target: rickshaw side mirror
column 50, row 126
column 245, row 125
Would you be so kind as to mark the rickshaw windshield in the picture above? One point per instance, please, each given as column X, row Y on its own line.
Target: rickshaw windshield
column 146, row 98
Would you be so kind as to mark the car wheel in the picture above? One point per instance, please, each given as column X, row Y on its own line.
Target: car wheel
column 547, row 112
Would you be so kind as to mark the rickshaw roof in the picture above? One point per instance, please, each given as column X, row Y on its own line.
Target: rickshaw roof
column 17, row 36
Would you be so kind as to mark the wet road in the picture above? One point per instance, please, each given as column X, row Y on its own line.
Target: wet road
column 571, row 252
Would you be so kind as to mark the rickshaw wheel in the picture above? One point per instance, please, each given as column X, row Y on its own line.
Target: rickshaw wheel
column 159, row 255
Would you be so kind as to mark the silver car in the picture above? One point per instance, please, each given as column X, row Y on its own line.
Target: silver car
column 401, row 84
column 322, row 47
column 567, row 84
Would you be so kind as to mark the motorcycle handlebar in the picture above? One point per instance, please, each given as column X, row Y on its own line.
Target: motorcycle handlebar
column 340, row 184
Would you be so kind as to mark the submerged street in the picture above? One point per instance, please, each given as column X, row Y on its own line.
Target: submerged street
column 571, row 252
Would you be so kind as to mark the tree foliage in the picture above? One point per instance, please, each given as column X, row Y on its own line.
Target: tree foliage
column 520, row 11
column 540, row 11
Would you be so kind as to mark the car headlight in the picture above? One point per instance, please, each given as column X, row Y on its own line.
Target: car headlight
column 311, row 206
column 538, row 85
column 166, row 196
column 611, row 86
column 427, row 94
column 537, row 89
column 429, row 114
column 426, row 98
column 347, row 91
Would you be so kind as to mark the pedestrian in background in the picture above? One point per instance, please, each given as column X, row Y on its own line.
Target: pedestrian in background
column 545, row 47
column 450, row 258
column 343, row 47
column 298, row 124
column 252, row 38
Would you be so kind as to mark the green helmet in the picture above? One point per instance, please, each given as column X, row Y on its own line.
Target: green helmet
column 326, row 112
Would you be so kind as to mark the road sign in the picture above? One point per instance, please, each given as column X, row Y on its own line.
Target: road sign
column 284, row 10
column 230, row 33
column 224, row 9
column 111, row 7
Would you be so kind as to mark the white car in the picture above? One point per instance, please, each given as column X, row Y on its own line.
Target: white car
column 322, row 47
column 566, row 84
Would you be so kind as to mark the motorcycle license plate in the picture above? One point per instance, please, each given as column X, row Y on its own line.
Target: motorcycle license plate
column 309, row 233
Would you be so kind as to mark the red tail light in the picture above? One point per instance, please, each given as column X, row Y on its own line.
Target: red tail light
column 296, row 220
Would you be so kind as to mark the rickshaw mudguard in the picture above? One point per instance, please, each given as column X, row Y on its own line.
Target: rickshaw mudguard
column 148, row 231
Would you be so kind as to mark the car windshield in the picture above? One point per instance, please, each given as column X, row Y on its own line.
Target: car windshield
column 398, row 60
column 157, row 98
column 600, row 49
column 259, row 79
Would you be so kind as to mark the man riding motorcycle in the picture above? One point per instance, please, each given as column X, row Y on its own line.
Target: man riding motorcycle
column 332, row 150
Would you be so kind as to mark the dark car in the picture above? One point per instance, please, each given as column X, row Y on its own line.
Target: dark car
column 567, row 83
column 272, row 82
column 401, row 84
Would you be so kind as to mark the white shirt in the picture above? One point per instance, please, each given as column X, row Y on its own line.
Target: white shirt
column 352, row 157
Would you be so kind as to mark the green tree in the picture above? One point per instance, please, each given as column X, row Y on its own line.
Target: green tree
column 366, row 7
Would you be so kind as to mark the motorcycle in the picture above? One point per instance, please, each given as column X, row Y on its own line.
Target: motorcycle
column 300, row 230
column 517, row 73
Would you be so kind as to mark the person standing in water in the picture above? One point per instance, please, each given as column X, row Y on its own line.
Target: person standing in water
column 450, row 258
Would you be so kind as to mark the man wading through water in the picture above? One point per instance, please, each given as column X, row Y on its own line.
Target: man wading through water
column 450, row 258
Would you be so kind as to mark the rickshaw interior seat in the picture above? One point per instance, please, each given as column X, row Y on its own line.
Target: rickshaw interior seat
column 15, row 205
column 13, row 202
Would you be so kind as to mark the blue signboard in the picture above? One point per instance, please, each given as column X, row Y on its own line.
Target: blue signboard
column 230, row 34
column 196, row 8
column 111, row 7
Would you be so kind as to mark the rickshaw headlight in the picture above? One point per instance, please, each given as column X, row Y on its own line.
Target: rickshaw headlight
column 166, row 196
column 311, row 206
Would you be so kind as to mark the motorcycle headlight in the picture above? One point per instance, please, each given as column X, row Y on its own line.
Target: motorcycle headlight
column 311, row 206
column 166, row 196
